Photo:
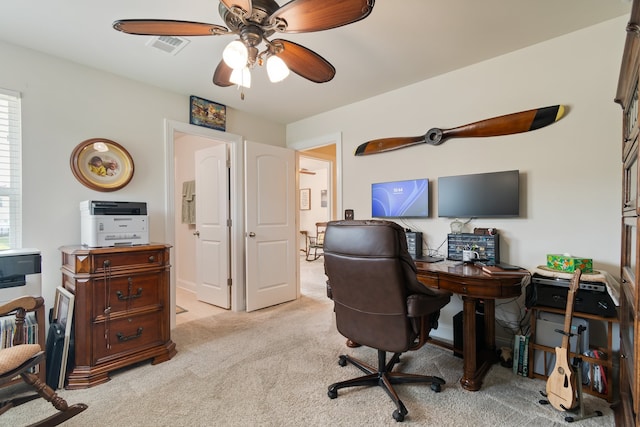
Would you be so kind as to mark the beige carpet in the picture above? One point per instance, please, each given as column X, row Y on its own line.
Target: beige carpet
column 272, row 368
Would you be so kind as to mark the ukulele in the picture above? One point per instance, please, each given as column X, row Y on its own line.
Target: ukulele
column 561, row 384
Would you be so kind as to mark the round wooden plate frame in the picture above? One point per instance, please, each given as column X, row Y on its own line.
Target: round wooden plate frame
column 115, row 171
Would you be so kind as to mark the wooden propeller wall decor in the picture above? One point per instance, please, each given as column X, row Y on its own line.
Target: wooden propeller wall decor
column 509, row 124
column 254, row 21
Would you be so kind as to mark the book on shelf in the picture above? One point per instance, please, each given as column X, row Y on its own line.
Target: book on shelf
column 521, row 355
column 515, row 354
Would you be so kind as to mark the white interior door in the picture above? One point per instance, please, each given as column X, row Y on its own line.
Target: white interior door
column 212, row 226
column 270, row 227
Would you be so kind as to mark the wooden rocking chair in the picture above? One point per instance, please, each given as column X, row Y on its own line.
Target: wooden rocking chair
column 316, row 243
column 18, row 360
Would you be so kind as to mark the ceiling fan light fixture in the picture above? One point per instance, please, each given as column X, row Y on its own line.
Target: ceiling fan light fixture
column 241, row 77
column 235, row 55
column 276, row 69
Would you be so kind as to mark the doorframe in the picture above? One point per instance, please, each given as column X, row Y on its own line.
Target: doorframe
column 332, row 138
column 236, row 214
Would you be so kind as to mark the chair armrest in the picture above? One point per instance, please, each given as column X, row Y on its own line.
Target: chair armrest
column 28, row 303
column 419, row 305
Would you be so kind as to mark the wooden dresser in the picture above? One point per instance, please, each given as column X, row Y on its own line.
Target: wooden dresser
column 627, row 97
column 122, row 309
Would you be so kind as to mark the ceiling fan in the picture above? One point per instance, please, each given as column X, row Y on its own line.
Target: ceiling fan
column 254, row 22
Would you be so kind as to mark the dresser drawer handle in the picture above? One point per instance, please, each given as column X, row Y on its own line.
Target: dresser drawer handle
column 130, row 337
column 122, row 297
column 152, row 259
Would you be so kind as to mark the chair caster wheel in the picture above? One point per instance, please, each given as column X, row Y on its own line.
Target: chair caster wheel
column 342, row 361
column 398, row 416
column 436, row 387
column 332, row 394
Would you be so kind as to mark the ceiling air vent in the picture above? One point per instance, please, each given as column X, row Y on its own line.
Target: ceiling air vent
column 168, row 44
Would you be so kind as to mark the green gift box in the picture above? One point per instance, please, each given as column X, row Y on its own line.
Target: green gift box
column 569, row 263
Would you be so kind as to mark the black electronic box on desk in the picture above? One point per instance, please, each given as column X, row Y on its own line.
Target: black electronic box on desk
column 591, row 297
column 487, row 246
column 414, row 243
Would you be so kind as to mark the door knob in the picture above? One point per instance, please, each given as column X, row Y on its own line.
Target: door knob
column 252, row 234
column 196, row 233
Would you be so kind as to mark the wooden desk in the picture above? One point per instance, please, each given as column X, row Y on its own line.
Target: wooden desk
column 473, row 285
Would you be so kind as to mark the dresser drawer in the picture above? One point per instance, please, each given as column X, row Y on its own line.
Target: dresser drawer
column 117, row 261
column 79, row 260
column 126, row 335
column 126, row 292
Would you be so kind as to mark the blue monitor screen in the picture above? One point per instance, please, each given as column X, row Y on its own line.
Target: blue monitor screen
column 400, row 199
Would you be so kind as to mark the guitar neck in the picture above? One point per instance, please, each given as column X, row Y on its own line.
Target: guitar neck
column 575, row 283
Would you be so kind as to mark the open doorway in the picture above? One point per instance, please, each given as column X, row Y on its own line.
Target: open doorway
column 314, row 180
column 195, row 282
column 250, row 282
column 180, row 236
column 319, row 166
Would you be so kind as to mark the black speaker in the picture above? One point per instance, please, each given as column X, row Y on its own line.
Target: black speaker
column 414, row 243
column 458, row 335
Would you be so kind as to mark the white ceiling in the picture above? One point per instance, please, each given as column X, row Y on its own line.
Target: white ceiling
column 400, row 43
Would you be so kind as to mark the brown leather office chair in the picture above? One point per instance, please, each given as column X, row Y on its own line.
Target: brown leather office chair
column 378, row 301
column 18, row 360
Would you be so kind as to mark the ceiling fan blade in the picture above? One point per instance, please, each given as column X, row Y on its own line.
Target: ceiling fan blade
column 305, row 62
column 164, row 27
column 311, row 15
column 508, row 124
column 242, row 4
column 222, row 75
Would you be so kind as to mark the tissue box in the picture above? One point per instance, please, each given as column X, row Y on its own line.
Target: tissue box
column 569, row 263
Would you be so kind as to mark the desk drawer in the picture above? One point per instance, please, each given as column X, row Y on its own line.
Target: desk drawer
column 475, row 290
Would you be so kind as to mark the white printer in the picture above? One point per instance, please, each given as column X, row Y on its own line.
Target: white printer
column 105, row 223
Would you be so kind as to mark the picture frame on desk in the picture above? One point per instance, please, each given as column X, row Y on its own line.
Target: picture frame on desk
column 63, row 315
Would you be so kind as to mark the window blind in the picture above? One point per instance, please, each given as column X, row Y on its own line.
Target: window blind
column 10, row 170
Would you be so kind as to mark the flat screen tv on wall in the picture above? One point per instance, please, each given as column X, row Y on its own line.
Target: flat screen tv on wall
column 484, row 195
column 400, row 199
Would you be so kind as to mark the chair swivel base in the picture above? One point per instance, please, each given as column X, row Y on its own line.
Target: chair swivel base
column 385, row 378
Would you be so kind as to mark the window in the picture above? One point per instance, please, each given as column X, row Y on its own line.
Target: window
column 10, row 170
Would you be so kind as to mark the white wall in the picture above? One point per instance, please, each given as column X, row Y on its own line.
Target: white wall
column 64, row 104
column 571, row 169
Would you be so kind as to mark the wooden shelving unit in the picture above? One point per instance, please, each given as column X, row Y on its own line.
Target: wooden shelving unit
column 606, row 363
